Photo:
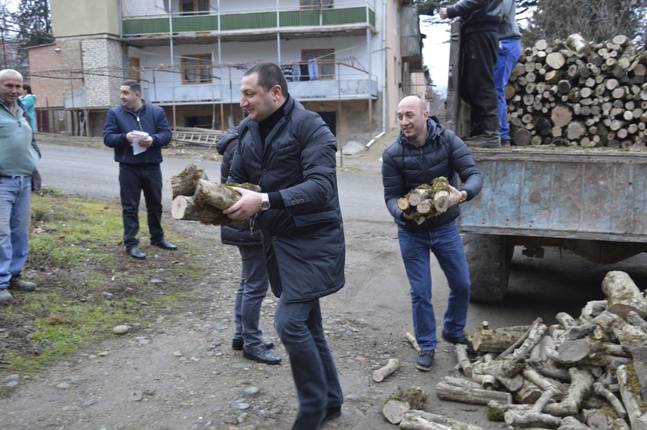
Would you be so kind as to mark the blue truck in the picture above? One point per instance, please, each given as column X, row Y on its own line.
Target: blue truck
column 590, row 201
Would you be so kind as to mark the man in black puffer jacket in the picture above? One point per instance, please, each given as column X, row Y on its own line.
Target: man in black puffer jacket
column 424, row 151
column 480, row 21
column 290, row 153
column 253, row 278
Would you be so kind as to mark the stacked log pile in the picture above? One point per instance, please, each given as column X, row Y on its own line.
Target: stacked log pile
column 195, row 198
column 574, row 93
column 585, row 372
column 426, row 200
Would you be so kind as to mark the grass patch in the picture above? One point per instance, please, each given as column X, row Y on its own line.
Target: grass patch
column 87, row 284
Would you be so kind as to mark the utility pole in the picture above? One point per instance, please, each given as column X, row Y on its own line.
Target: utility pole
column 170, row 42
column 4, row 45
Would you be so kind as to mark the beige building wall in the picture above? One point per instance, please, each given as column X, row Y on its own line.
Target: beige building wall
column 85, row 17
column 393, row 74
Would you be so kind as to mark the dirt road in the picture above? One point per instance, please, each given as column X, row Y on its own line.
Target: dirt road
column 181, row 373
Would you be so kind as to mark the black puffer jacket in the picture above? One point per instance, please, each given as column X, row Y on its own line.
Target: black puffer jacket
column 478, row 15
column 239, row 235
column 406, row 166
column 304, row 241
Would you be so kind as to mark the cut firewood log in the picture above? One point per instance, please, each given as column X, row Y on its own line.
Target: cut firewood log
column 573, row 351
column 429, row 197
column 630, row 395
column 422, row 420
column 635, row 319
column 580, row 388
column 561, row 116
column 497, row 340
column 555, row 60
column 601, row 419
column 496, row 410
column 543, row 382
column 394, row 410
column 185, row 182
column 412, row 341
column 570, row 423
column 476, row 396
column 184, row 208
column 218, row 196
column 529, row 393
column 611, row 398
column 463, row 359
column 533, row 416
column 535, row 333
column 623, row 295
column 535, row 324
column 441, row 201
column 383, row 372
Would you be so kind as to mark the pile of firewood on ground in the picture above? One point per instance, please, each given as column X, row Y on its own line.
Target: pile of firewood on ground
column 195, row 198
column 575, row 93
column 585, row 372
column 426, row 201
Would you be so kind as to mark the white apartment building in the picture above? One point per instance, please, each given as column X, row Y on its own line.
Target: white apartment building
column 349, row 60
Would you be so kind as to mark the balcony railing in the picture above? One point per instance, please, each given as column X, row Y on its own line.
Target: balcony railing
column 229, row 92
column 295, row 20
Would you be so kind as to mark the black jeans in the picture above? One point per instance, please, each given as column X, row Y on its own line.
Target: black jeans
column 133, row 178
column 313, row 368
column 479, row 53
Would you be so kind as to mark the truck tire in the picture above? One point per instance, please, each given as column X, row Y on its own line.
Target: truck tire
column 488, row 258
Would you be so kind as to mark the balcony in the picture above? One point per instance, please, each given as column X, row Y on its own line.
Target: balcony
column 249, row 25
column 229, row 92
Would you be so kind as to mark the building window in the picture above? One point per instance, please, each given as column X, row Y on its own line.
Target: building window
column 196, row 69
column 317, row 4
column 324, row 59
column 194, row 7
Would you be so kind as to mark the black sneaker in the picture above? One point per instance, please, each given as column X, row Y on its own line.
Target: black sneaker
column 462, row 340
column 484, row 140
column 425, row 360
column 331, row 414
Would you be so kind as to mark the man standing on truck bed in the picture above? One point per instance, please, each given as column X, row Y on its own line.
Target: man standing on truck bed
column 480, row 20
column 424, row 151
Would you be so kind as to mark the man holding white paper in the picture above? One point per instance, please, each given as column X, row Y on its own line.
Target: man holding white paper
column 137, row 131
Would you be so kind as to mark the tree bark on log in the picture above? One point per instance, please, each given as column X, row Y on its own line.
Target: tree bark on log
column 580, row 388
column 630, row 397
column 476, row 396
column 611, row 398
column 570, row 423
column 463, row 359
column 623, row 294
column 497, row 340
column 185, row 182
column 421, row 420
column 533, row 416
column 184, row 208
column 218, row 196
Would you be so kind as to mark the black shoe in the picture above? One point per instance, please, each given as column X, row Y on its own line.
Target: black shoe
column 18, row 284
column 505, row 142
column 425, row 360
column 331, row 414
column 165, row 244
column 485, row 140
column 262, row 355
column 462, row 340
column 237, row 344
column 137, row 253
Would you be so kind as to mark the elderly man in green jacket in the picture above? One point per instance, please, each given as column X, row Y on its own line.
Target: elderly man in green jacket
column 18, row 160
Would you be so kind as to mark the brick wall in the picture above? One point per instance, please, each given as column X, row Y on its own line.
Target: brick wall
column 103, row 71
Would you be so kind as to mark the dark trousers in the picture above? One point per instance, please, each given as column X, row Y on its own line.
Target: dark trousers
column 313, row 368
column 133, row 179
column 249, row 297
column 479, row 54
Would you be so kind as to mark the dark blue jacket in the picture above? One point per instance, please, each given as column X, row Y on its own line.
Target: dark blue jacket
column 235, row 234
column 478, row 15
column 304, row 240
column 150, row 119
column 405, row 166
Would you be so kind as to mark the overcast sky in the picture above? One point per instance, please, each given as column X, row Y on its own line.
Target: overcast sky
column 435, row 52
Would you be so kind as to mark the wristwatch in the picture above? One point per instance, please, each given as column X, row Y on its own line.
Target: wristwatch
column 265, row 202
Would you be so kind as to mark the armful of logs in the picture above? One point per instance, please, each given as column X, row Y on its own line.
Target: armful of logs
column 426, row 201
column 197, row 199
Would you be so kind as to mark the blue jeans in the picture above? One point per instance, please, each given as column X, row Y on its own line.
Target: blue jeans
column 249, row 297
column 509, row 51
column 15, row 216
column 313, row 369
column 446, row 244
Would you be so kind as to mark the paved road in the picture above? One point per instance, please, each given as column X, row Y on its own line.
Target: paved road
column 91, row 172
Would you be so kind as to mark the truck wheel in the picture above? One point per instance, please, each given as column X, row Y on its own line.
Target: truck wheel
column 488, row 258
